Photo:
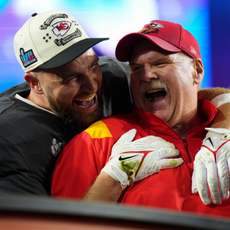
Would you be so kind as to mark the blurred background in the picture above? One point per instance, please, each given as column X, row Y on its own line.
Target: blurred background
column 207, row 20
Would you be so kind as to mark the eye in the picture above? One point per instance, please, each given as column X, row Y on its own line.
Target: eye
column 70, row 79
column 161, row 63
column 136, row 68
column 94, row 64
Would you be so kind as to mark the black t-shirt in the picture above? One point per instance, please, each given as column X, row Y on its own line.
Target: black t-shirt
column 31, row 138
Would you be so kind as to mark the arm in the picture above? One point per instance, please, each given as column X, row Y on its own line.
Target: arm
column 126, row 167
column 222, row 119
column 104, row 189
column 130, row 161
column 211, row 93
column 212, row 166
column 214, row 156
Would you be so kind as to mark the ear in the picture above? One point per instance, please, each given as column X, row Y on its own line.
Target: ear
column 33, row 81
column 199, row 71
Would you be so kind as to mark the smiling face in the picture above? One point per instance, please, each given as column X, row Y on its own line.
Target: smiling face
column 73, row 91
column 164, row 83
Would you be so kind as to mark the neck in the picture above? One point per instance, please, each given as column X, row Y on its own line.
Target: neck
column 182, row 128
column 39, row 100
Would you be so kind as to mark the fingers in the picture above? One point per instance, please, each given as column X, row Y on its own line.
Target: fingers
column 223, row 178
column 154, row 159
column 204, row 177
column 169, row 163
column 127, row 137
column 223, row 158
column 166, row 152
column 149, row 143
column 152, row 164
column 201, row 183
column 194, row 186
column 228, row 162
column 149, row 168
column 213, row 183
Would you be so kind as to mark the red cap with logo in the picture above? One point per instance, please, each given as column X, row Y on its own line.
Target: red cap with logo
column 167, row 35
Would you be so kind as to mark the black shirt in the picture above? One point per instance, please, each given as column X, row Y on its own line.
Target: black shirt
column 31, row 138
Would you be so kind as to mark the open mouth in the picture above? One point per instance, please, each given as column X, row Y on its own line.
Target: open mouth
column 86, row 102
column 156, row 95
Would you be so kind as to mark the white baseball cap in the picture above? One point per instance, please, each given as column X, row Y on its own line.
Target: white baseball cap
column 51, row 39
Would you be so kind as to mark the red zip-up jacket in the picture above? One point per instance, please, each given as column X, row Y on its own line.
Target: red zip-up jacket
column 83, row 158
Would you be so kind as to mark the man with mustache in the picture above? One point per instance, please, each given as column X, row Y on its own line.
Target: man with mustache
column 166, row 72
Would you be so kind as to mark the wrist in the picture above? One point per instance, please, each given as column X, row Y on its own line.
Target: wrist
column 109, row 180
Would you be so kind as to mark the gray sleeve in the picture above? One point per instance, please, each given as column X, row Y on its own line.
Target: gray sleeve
column 116, row 83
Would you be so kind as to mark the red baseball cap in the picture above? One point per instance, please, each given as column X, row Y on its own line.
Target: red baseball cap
column 167, row 35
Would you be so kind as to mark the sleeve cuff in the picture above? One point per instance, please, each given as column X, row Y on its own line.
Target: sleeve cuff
column 221, row 99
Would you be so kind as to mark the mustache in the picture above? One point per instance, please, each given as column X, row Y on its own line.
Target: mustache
column 154, row 85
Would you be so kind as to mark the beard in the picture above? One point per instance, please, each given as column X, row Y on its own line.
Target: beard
column 74, row 118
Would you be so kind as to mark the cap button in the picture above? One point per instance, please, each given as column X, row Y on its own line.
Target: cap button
column 34, row 14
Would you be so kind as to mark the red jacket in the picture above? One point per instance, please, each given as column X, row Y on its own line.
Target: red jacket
column 83, row 158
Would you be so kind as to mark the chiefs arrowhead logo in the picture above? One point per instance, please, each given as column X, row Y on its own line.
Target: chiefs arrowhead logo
column 152, row 27
column 61, row 28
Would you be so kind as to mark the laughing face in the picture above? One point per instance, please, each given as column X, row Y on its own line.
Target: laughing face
column 164, row 83
column 73, row 92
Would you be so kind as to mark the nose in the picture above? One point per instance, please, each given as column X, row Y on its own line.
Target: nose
column 149, row 73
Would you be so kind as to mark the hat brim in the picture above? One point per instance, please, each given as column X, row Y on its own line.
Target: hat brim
column 71, row 53
column 124, row 46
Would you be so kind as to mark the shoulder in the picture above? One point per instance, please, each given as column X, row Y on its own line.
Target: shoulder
column 22, row 88
column 5, row 103
column 98, row 130
column 16, row 115
column 107, row 61
column 110, row 126
column 116, row 85
column 111, row 67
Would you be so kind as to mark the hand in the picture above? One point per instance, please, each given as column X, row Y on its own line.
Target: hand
column 128, row 166
column 209, row 172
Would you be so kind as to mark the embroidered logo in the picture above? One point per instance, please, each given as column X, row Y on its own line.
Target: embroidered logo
column 56, row 147
column 152, row 27
column 63, row 41
column 193, row 50
column 49, row 20
column 27, row 58
column 61, row 28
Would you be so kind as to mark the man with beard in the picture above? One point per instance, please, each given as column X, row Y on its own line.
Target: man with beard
column 166, row 73
column 62, row 96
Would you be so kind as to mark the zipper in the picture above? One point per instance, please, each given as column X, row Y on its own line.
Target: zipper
column 189, row 161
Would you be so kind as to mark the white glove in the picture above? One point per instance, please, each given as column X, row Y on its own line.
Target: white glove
column 129, row 167
column 209, row 172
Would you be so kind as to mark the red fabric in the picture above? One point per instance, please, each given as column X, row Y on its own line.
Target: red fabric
column 83, row 158
column 168, row 36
